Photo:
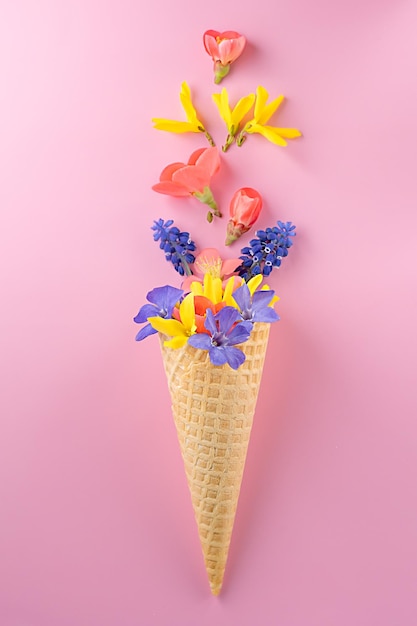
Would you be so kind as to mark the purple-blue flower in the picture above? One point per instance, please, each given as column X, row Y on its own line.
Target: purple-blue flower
column 224, row 333
column 255, row 308
column 178, row 246
column 267, row 250
column 163, row 301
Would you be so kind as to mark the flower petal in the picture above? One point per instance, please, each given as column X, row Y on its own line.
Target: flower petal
column 217, row 355
column 209, row 159
column 200, row 340
column 170, row 188
column 144, row 332
column 147, row 310
column 226, row 318
column 241, row 109
column 240, row 333
column 176, row 342
column 187, row 312
column 190, row 112
column 168, row 327
column 269, row 110
column 235, row 357
column 172, row 126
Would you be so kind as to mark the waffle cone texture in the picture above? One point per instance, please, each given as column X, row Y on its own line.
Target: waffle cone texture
column 213, row 409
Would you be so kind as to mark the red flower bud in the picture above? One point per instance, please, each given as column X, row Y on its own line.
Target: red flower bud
column 245, row 207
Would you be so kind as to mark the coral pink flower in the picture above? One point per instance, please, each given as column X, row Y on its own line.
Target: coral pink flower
column 210, row 261
column 224, row 48
column 245, row 207
column 192, row 178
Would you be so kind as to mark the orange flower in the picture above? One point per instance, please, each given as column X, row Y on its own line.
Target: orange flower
column 192, row 178
column 224, row 48
column 245, row 207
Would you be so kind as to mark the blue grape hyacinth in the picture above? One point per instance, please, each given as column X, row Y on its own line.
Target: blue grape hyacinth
column 267, row 250
column 178, row 246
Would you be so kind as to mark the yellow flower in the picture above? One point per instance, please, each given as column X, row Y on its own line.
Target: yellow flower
column 212, row 288
column 192, row 125
column 178, row 330
column 262, row 113
column 232, row 117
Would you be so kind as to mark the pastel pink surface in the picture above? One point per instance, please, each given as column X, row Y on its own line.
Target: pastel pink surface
column 95, row 518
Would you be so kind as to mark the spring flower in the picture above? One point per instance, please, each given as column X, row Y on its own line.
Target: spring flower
column 163, row 301
column 267, row 250
column 192, row 178
column 192, row 125
column 224, row 49
column 256, row 307
column 223, row 334
column 215, row 289
column 177, row 245
column 232, row 117
column 245, row 207
column 180, row 330
column 262, row 114
column 210, row 262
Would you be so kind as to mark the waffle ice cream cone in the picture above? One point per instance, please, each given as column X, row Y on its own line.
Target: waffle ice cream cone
column 213, row 408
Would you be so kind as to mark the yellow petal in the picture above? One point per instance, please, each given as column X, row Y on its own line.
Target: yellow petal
column 261, row 98
column 167, row 326
column 228, row 291
column 269, row 132
column 254, row 282
column 185, row 97
column 197, row 288
column 187, row 313
column 269, row 110
column 241, row 109
column 176, row 342
column 222, row 102
column 288, row 133
column 173, row 126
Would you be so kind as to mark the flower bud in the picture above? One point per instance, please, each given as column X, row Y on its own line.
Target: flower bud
column 245, row 207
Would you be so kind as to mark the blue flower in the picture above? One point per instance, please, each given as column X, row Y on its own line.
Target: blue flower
column 267, row 250
column 177, row 245
column 223, row 335
column 255, row 308
column 163, row 301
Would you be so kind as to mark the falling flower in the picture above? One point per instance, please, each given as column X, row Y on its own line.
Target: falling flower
column 193, row 178
column 163, row 301
column 180, row 330
column 262, row 113
column 245, row 207
column 224, row 48
column 232, row 117
column 210, row 262
column 256, row 307
column 192, row 125
column 223, row 334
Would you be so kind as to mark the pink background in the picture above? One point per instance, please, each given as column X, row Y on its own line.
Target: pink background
column 96, row 525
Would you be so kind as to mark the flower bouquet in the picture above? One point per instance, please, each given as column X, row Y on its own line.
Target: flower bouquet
column 213, row 326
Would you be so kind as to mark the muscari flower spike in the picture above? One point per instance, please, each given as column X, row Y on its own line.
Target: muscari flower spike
column 267, row 250
column 223, row 335
column 162, row 302
column 192, row 125
column 178, row 246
